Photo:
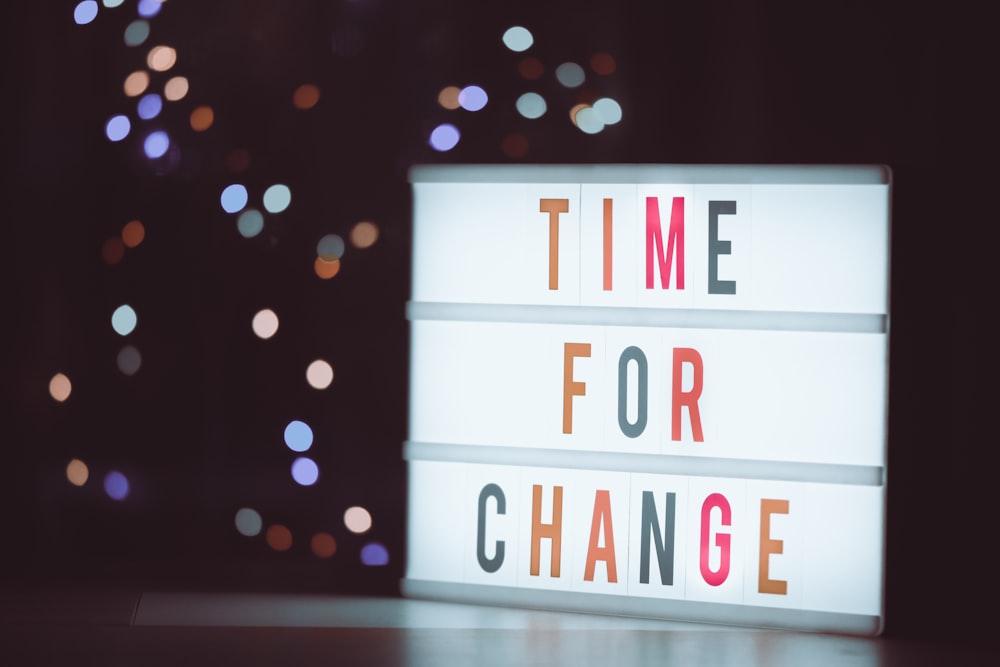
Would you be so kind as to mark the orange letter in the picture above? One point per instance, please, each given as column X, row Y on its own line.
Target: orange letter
column 554, row 207
column 553, row 530
column 607, row 245
column 768, row 546
column 654, row 237
column 571, row 388
column 602, row 514
column 683, row 355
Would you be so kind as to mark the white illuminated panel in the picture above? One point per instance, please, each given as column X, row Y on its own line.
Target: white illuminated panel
column 651, row 390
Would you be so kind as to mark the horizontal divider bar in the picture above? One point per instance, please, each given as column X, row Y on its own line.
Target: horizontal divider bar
column 664, row 464
column 677, row 318
column 686, row 610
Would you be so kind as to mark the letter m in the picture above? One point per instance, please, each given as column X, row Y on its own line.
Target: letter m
column 654, row 240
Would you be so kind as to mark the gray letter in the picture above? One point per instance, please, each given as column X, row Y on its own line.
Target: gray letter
column 649, row 525
column 636, row 429
column 489, row 564
column 717, row 247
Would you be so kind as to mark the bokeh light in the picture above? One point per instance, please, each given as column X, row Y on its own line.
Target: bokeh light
column 472, row 98
column 112, row 251
column 319, row 374
column 136, row 83
column 364, row 234
column 161, row 58
column 129, row 360
column 233, row 198
column 514, row 145
column 298, row 436
column 156, row 144
column 588, row 120
column 575, row 110
column 603, row 63
column 133, row 233
column 305, row 472
column 518, row 38
column 149, row 8
column 531, row 105
column 323, row 545
column 202, row 118
column 265, row 323
column 60, row 387
column 277, row 198
column 149, row 106
column 136, row 33
column 609, row 110
column 358, row 520
column 117, row 127
column 77, row 472
column 85, row 12
column 250, row 223
column 325, row 269
column 448, row 97
column 248, row 522
column 305, row 96
column 374, row 554
column 330, row 247
column 111, row 4
column 570, row 75
column 176, row 88
column 123, row 320
column 279, row 537
column 444, row 137
column 531, row 68
column 116, row 485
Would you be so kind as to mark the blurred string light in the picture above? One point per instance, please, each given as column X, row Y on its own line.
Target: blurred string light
column 136, row 83
column 279, row 537
column 358, row 520
column 325, row 269
column 161, row 58
column 603, row 64
column 202, row 118
column 364, row 234
column 124, row 320
column 305, row 472
column 77, row 472
column 111, row 4
column 85, row 12
column 448, row 97
column 609, row 110
column 149, row 8
column 518, row 38
column 374, row 554
column 176, row 88
column 250, row 223
column 234, row 198
column 129, row 360
column 323, row 545
column 570, row 75
column 588, row 120
column 330, row 247
column 248, row 522
column 116, row 485
column 277, row 198
column 531, row 68
column 444, row 137
column 60, row 387
column 156, row 144
column 472, row 98
column 136, row 33
column 531, row 105
column 112, row 251
column 298, row 436
column 133, row 233
column 117, row 128
column 265, row 324
column 305, row 96
column 319, row 374
column 149, row 106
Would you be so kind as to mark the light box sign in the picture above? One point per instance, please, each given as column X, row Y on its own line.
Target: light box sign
column 651, row 390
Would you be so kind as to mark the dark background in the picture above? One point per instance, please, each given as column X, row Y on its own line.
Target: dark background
column 198, row 428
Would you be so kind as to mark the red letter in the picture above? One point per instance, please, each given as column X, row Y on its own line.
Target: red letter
column 571, row 388
column 607, row 245
column 602, row 514
column 768, row 546
column 717, row 577
column 688, row 399
column 654, row 236
column 553, row 530
column 553, row 207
